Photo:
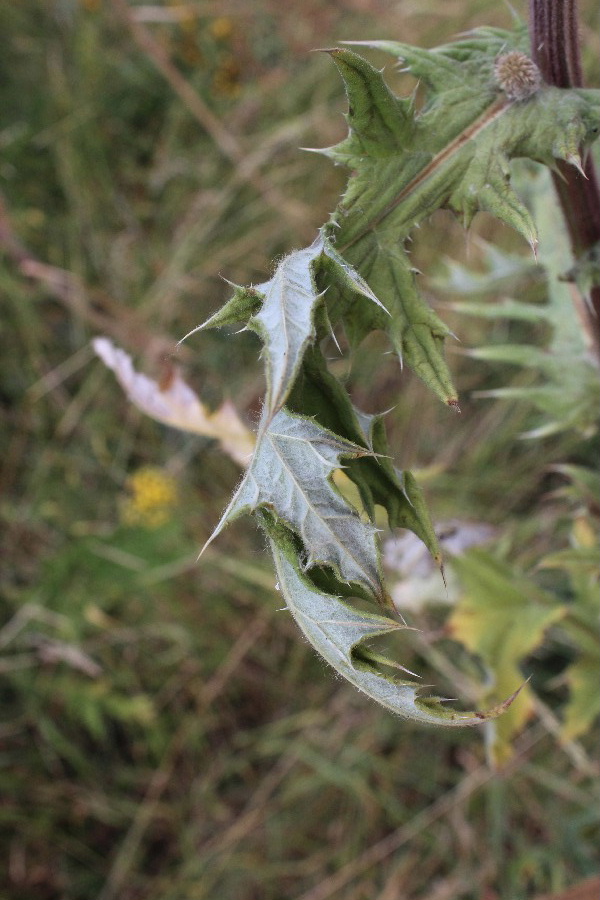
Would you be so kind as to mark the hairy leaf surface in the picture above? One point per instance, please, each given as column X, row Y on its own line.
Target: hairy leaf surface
column 290, row 474
column 453, row 153
column 318, row 393
column 338, row 632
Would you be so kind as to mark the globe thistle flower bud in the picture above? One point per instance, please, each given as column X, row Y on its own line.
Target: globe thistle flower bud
column 517, row 75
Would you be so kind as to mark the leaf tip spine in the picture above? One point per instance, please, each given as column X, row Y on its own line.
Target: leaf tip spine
column 189, row 334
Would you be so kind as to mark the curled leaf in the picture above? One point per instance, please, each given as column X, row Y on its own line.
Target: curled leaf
column 177, row 405
column 339, row 632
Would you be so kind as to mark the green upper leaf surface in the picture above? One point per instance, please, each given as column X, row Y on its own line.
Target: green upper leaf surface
column 244, row 303
column 455, row 152
column 380, row 123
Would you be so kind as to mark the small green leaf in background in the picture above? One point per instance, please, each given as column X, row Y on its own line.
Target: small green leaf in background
column 583, row 707
column 502, row 618
column 580, row 625
column 566, row 390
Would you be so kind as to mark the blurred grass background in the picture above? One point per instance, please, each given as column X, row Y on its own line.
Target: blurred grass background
column 165, row 734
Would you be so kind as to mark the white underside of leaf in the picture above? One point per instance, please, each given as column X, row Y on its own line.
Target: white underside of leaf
column 334, row 629
column 290, row 475
column 285, row 322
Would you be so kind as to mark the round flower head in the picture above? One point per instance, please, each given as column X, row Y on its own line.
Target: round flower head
column 517, row 75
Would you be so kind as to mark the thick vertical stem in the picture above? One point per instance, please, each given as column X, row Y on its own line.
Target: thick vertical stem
column 553, row 26
column 555, row 41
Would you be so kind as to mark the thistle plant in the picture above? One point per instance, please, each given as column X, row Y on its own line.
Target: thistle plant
column 486, row 102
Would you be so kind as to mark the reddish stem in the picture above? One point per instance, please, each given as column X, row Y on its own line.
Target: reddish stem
column 553, row 26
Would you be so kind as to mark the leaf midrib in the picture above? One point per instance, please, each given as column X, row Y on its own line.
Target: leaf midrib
column 278, row 436
column 493, row 112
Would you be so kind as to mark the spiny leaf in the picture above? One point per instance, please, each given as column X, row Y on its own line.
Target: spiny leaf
column 414, row 330
column 290, row 474
column 447, row 67
column 341, row 275
column 285, row 322
column 456, row 154
column 318, row 393
column 338, row 632
column 567, row 392
column 283, row 310
column 380, row 123
column 244, row 303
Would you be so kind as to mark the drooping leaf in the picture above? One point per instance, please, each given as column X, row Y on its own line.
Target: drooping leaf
column 290, row 474
column 338, row 632
column 501, row 617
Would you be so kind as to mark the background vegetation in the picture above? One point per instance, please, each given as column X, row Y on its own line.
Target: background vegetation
column 165, row 733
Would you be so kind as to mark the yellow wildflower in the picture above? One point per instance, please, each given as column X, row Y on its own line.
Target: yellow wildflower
column 153, row 496
column 221, row 28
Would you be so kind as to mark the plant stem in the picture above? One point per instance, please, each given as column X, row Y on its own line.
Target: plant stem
column 553, row 26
